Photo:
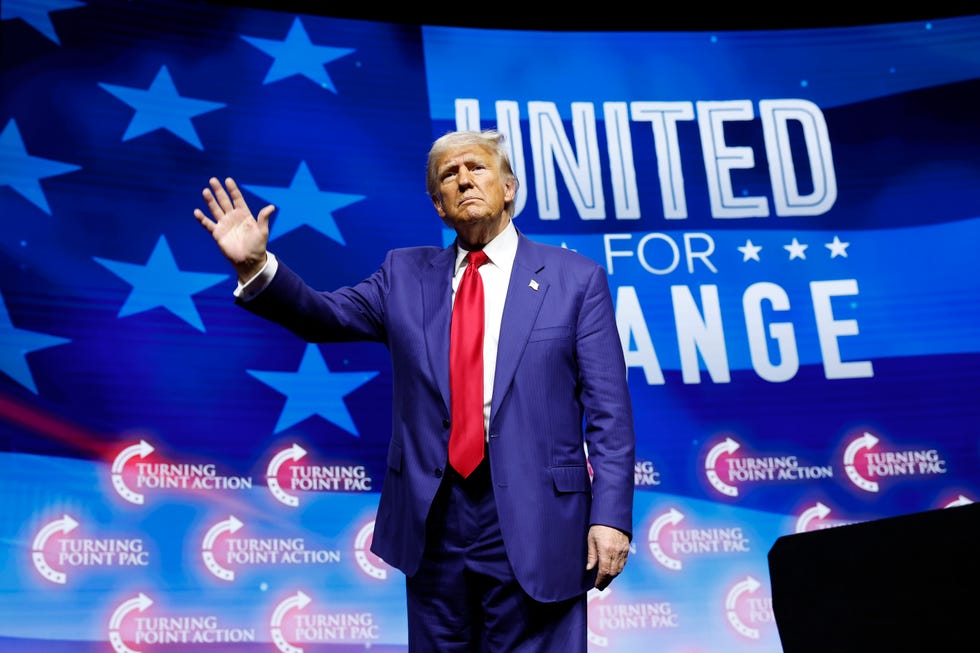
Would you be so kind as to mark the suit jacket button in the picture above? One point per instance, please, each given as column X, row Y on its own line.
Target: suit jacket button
column 445, row 423
column 438, row 472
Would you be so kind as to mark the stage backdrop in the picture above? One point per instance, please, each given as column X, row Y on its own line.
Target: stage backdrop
column 789, row 221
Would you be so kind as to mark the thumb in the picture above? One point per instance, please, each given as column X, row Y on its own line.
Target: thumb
column 264, row 214
column 593, row 556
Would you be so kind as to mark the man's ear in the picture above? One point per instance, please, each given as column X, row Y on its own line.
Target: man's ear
column 510, row 190
column 437, row 203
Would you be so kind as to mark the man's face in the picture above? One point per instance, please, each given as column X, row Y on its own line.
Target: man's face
column 471, row 193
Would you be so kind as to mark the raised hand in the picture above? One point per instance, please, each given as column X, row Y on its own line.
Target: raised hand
column 241, row 237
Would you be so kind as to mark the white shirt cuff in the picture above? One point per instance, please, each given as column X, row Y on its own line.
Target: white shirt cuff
column 258, row 283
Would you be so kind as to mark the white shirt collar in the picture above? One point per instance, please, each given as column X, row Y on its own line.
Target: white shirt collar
column 501, row 250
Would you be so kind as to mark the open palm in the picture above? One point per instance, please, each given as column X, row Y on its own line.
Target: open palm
column 241, row 237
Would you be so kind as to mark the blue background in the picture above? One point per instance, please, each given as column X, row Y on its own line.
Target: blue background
column 117, row 324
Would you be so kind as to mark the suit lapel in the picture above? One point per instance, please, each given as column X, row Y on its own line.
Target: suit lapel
column 437, row 303
column 525, row 295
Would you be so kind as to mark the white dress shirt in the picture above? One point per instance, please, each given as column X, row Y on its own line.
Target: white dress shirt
column 496, row 277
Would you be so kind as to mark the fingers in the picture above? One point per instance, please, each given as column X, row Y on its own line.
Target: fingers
column 224, row 199
column 219, row 194
column 219, row 201
column 205, row 222
column 209, row 198
column 609, row 569
column 607, row 553
column 237, row 200
column 592, row 558
column 611, row 565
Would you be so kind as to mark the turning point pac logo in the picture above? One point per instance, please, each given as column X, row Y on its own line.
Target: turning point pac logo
column 745, row 610
column 667, row 542
column 607, row 617
column 645, row 474
column 290, row 625
column 285, row 475
column 865, row 463
column 53, row 551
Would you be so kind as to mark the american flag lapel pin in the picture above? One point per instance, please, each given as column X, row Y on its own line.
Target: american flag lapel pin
column 533, row 285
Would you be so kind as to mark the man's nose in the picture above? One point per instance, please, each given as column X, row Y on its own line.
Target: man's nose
column 464, row 177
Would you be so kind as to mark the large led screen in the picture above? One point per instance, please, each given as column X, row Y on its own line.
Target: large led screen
column 789, row 220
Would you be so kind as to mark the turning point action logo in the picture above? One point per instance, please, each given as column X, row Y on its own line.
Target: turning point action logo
column 219, row 550
column 130, row 628
column 311, row 478
column 724, row 470
column 864, row 465
column 129, row 478
column 52, row 551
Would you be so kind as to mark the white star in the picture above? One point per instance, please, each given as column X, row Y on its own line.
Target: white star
column 750, row 251
column 837, row 248
column 795, row 249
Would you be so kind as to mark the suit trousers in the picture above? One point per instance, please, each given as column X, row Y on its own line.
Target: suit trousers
column 465, row 597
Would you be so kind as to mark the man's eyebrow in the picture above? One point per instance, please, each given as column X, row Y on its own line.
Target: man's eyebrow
column 455, row 163
column 462, row 161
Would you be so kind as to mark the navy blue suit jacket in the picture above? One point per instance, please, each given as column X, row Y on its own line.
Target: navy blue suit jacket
column 560, row 381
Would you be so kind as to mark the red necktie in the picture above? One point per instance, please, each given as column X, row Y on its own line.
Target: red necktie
column 466, row 370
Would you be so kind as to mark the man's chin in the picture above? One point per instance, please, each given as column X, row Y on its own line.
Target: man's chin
column 474, row 215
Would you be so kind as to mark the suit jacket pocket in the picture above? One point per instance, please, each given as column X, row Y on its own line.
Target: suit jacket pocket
column 571, row 478
column 550, row 333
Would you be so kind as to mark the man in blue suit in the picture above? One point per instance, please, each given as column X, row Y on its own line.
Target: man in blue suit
column 498, row 559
